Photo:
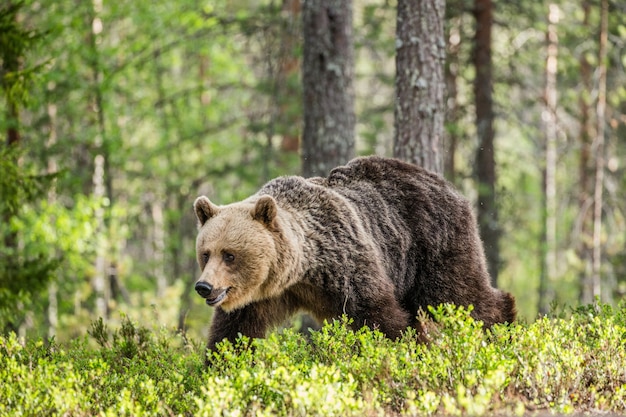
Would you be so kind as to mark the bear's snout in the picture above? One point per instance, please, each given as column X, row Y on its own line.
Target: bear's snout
column 203, row 289
column 213, row 296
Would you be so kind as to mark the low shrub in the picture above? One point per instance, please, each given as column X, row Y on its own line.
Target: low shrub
column 567, row 363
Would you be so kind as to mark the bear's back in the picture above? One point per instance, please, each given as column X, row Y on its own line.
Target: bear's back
column 409, row 212
column 425, row 228
column 410, row 197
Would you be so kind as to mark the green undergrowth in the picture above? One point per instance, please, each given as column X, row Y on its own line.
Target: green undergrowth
column 567, row 363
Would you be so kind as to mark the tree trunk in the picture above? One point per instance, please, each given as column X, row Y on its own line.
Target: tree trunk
column 327, row 78
column 596, row 277
column 10, row 58
column 13, row 116
column 452, row 131
column 485, row 160
column 156, row 208
column 289, row 66
column 158, row 248
column 185, row 266
column 548, row 244
column 585, row 171
column 101, row 182
column 420, row 85
column 53, row 290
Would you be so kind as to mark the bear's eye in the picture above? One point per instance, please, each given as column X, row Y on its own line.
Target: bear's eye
column 205, row 257
column 228, row 257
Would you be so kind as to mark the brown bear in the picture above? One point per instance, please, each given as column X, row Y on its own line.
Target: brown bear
column 378, row 239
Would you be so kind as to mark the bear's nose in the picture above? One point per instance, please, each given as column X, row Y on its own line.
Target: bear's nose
column 203, row 289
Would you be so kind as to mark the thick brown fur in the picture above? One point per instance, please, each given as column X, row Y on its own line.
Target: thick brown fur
column 378, row 240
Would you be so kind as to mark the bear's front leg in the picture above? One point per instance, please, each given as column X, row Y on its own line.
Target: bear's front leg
column 229, row 325
column 252, row 321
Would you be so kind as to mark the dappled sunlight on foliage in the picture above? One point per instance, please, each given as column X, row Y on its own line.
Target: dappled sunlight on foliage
column 179, row 99
column 567, row 363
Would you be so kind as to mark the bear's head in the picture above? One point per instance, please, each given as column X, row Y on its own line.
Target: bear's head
column 236, row 251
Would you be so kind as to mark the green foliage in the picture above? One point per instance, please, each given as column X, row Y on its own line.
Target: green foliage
column 186, row 98
column 50, row 236
column 15, row 42
column 562, row 364
column 23, row 269
column 135, row 372
column 16, row 184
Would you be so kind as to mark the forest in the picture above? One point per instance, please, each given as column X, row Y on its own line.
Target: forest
column 115, row 116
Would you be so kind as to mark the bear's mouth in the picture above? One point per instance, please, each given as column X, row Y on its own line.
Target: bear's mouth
column 214, row 300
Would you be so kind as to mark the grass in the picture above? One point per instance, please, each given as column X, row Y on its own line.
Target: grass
column 567, row 363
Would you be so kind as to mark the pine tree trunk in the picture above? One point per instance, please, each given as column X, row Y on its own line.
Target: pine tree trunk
column 156, row 208
column 13, row 116
column 452, row 107
column 585, row 171
column 289, row 66
column 548, row 244
column 420, row 85
column 185, row 266
column 485, row 159
column 10, row 58
column 101, row 182
column 53, row 290
column 596, row 276
column 327, row 78
column 11, row 64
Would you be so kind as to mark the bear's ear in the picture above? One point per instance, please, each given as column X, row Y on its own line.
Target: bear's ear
column 265, row 210
column 204, row 209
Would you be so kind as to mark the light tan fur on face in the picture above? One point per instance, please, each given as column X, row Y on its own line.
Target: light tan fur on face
column 232, row 229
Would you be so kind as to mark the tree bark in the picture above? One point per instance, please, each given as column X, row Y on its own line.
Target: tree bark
column 420, row 107
column 52, row 321
column 101, row 177
column 548, row 244
column 452, row 132
column 156, row 208
column 596, row 276
column 289, row 66
column 585, row 170
column 11, row 63
column 327, row 78
column 485, row 159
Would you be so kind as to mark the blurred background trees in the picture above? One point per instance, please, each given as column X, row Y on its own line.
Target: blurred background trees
column 116, row 115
